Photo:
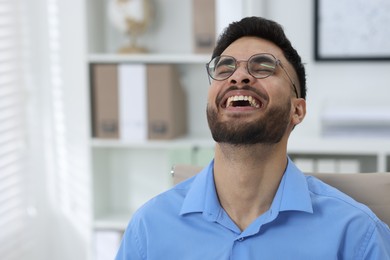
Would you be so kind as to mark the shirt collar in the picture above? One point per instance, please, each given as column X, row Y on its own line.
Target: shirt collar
column 292, row 194
column 202, row 196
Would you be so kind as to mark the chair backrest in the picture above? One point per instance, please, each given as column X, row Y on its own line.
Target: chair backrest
column 371, row 189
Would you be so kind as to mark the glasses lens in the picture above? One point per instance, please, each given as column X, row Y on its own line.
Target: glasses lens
column 221, row 67
column 262, row 65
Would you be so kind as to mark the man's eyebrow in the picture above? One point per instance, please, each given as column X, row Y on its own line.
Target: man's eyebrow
column 264, row 61
column 225, row 61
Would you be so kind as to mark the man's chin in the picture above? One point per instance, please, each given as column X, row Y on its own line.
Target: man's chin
column 269, row 129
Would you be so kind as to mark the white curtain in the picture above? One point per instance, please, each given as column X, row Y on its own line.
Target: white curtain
column 45, row 201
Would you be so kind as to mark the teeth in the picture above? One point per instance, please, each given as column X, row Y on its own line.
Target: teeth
column 250, row 99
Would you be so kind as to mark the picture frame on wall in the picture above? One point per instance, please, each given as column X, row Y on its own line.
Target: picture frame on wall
column 351, row 30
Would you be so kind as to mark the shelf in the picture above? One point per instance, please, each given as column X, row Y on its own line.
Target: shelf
column 353, row 146
column 114, row 221
column 296, row 145
column 150, row 58
column 185, row 142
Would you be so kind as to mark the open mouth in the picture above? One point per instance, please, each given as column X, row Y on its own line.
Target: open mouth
column 242, row 101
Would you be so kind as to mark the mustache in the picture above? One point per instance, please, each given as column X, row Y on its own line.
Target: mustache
column 245, row 87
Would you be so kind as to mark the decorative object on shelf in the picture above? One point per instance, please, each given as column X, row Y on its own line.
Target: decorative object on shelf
column 130, row 17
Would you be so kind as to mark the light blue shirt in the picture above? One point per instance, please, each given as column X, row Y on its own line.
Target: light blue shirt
column 308, row 219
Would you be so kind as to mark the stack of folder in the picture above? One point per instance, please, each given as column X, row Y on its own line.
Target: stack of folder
column 137, row 102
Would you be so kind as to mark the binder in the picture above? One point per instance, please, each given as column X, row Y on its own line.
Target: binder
column 137, row 102
column 106, row 243
column 204, row 24
column 132, row 101
column 210, row 18
column 104, row 93
column 166, row 103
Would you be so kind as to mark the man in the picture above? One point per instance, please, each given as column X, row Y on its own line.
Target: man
column 251, row 202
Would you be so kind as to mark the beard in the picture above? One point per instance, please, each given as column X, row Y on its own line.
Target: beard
column 269, row 129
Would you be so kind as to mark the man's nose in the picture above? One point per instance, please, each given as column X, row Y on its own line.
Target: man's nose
column 241, row 74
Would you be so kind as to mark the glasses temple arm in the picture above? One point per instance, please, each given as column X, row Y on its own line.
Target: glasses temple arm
column 207, row 72
column 292, row 82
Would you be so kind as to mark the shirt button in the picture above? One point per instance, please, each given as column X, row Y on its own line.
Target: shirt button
column 240, row 239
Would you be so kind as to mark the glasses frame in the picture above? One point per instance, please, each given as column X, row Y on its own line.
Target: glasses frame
column 237, row 62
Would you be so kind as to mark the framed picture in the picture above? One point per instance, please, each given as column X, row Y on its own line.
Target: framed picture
column 349, row 30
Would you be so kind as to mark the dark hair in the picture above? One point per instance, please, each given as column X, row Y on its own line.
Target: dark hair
column 265, row 29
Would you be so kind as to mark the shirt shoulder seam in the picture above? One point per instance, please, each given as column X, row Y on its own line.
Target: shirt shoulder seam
column 362, row 208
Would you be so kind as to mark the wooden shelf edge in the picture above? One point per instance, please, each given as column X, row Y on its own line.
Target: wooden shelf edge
column 114, row 221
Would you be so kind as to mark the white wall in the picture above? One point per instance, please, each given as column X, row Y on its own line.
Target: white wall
column 328, row 83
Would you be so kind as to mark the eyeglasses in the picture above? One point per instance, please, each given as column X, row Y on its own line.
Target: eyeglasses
column 259, row 66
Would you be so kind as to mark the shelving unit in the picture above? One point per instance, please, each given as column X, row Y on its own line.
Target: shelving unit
column 124, row 177
column 126, row 174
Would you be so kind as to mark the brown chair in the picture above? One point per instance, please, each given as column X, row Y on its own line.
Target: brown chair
column 371, row 189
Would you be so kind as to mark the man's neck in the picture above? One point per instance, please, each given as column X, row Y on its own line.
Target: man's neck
column 247, row 178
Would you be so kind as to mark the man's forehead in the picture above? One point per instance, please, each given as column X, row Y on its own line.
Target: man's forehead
column 247, row 46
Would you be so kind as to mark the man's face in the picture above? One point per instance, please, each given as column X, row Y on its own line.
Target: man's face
column 243, row 110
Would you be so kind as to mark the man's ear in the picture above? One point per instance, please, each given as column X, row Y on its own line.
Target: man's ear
column 299, row 112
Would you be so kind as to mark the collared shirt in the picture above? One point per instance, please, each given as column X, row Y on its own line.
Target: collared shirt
column 308, row 219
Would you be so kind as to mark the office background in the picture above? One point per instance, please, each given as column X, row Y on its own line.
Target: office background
column 62, row 192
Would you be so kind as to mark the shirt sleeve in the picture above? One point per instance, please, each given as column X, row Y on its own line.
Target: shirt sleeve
column 378, row 246
column 130, row 247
